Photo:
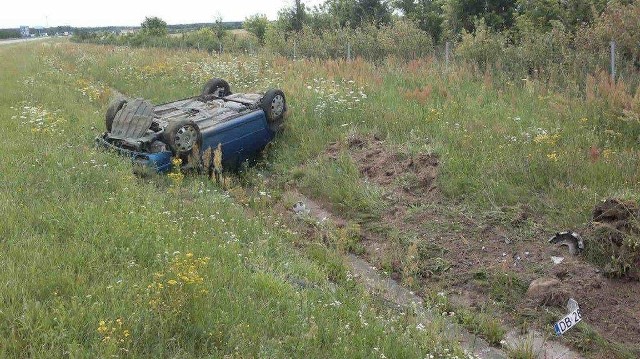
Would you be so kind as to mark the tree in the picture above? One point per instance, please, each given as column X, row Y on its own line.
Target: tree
column 619, row 22
column 461, row 15
column 257, row 25
column 356, row 13
column 9, row 33
column 219, row 28
column 293, row 18
column 572, row 13
column 371, row 11
column 427, row 14
column 154, row 26
column 341, row 12
column 299, row 15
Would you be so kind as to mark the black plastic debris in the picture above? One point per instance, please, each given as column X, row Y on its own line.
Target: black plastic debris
column 570, row 239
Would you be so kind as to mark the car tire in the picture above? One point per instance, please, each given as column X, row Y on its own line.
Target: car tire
column 217, row 87
column 182, row 136
column 274, row 105
column 116, row 105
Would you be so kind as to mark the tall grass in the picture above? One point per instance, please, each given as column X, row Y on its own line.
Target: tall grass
column 84, row 244
column 99, row 263
column 501, row 143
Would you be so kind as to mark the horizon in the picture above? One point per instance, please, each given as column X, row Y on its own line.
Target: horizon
column 67, row 13
column 38, row 27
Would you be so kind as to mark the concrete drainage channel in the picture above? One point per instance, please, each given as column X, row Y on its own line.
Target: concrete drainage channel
column 393, row 292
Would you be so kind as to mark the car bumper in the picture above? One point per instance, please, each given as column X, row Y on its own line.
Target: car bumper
column 159, row 162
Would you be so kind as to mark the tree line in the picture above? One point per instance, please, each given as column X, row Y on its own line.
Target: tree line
column 523, row 37
column 540, row 38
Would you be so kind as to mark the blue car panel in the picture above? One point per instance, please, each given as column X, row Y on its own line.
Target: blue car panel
column 242, row 124
column 239, row 138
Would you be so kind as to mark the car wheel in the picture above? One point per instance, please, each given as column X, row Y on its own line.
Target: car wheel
column 182, row 136
column 115, row 106
column 274, row 105
column 217, row 87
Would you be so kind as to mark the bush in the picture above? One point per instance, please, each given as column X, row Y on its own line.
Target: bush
column 540, row 54
column 402, row 39
column 275, row 40
column 556, row 56
column 257, row 25
column 483, row 47
column 619, row 23
column 203, row 39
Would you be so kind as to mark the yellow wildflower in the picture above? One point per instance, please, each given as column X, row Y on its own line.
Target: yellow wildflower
column 607, row 153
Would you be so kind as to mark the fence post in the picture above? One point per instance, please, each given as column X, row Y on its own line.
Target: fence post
column 349, row 51
column 613, row 61
column 220, row 45
column 447, row 50
column 294, row 49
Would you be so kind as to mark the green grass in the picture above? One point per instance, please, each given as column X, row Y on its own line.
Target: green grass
column 81, row 237
column 97, row 263
column 482, row 321
column 500, row 144
column 524, row 350
column 588, row 340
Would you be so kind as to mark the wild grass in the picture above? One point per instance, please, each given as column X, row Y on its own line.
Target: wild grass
column 587, row 339
column 524, row 349
column 501, row 143
column 479, row 321
column 82, row 240
column 98, row 263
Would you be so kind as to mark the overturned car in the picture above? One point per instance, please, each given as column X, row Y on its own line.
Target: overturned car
column 239, row 125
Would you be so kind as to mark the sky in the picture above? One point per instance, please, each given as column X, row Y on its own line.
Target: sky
column 49, row 13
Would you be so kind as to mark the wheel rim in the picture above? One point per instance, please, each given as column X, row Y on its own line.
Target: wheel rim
column 277, row 106
column 219, row 92
column 186, row 138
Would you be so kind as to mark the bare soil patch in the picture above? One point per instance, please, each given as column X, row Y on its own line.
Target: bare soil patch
column 488, row 260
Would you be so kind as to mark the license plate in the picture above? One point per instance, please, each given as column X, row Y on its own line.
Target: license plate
column 568, row 322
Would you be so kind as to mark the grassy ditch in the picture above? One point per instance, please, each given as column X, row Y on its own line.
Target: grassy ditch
column 99, row 263
column 84, row 220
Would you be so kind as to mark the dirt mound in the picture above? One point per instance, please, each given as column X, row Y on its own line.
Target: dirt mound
column 613, row 210
column 615, row 235
column 547, row 291
column 619, row 215
column 414, row 174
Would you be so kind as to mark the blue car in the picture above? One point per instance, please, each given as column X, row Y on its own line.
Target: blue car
column 239, row 125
